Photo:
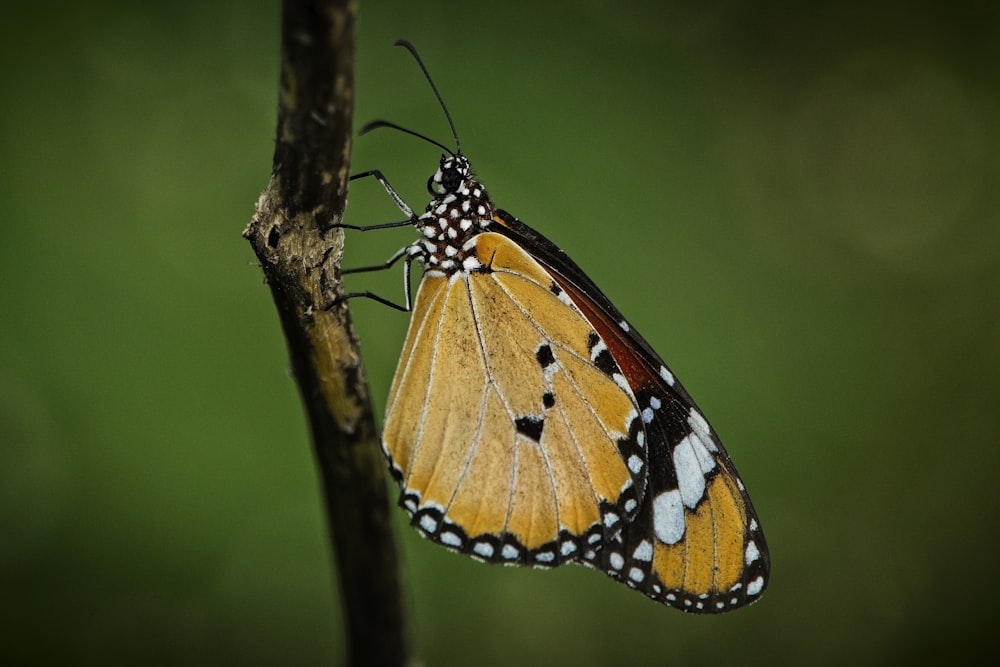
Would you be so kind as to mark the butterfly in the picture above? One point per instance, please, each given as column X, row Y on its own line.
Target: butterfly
column 528, row 423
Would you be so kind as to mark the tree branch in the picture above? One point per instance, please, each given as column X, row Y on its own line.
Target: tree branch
column 301, row 262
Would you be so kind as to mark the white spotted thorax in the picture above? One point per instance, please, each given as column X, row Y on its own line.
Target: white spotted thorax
column 460, row 210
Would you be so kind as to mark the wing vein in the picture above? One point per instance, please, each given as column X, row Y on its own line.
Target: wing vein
column 565, row 349
column 506, row 405
column 421, row 423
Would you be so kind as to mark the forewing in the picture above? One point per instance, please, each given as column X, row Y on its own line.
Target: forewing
column 513, row 433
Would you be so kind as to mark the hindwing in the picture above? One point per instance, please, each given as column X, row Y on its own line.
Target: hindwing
column 696, row 543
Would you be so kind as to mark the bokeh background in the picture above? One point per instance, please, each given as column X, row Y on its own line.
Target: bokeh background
column 797, row 205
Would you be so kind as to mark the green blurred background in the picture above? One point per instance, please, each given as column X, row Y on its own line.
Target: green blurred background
column 797, row 206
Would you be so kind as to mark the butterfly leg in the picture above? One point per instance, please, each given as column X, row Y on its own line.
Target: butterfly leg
column 410, row 253
column 387, row 264
column 369, row 295
column 402, row 252
column 369, row 228
column 377, row 175
column 400, row 204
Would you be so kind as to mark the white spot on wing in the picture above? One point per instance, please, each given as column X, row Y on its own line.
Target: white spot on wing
column 667, row 376
column 668, row 517
column 705, row 459
column 644, row 551
column 701, row 429
column 428, row 523
column 616, row 561
column 508, row 552
column 755, row 586
column 753, row 553
column 690, row 479
column 450, row 539
column 484, row 549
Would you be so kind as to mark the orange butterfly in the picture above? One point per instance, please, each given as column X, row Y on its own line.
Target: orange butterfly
column 528, row 423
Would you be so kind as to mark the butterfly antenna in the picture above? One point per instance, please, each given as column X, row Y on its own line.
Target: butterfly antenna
column 375, row 124
column 416, row 56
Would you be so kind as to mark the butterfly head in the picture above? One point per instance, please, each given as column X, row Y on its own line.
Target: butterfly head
column 458, row 198
column 452, row 177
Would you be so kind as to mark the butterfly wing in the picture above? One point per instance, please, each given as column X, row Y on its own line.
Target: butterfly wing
column 696, row 543
column 512, row 432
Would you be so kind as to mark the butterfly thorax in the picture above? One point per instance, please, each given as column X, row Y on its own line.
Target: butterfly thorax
column 460, row 210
